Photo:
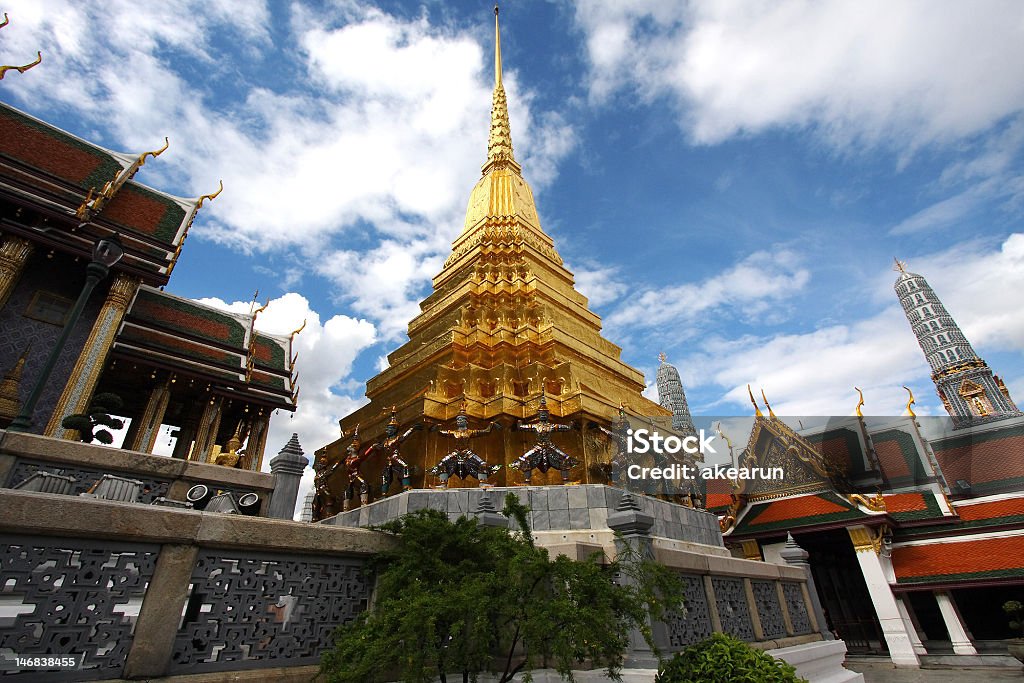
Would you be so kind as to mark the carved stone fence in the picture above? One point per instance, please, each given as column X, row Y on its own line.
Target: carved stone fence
column 145, row 591
column 759, row 602
column 21, row 455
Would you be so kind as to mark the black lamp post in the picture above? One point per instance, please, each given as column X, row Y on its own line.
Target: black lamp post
column 105, row 254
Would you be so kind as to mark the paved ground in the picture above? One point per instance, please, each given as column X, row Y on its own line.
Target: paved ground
column 880, row 673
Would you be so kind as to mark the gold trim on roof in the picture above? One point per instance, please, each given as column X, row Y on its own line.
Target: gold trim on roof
column 21, row 69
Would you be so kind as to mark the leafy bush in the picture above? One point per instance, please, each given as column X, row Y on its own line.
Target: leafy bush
column 455, row 599
column 724, row 659
column 98, row 416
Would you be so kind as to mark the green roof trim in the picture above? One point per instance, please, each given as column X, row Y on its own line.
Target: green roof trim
column 908, row 450
column 951, row 442
column 269, row 353
column 931, row 511
column 749, row 522
column 853, row 446
column 170, row 222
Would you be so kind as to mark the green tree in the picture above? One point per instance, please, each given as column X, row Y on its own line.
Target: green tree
column 724, row 659
column 459, row 598
column 90, row 424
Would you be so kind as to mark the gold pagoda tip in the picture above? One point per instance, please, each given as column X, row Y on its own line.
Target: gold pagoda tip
column 497, row 50
column 757, row 408
column 900, row 267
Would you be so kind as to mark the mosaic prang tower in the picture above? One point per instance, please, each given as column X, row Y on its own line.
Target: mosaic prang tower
column 969, row 391
column 672, row 396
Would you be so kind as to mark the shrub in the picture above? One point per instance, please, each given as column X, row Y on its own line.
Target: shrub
column 724, row 659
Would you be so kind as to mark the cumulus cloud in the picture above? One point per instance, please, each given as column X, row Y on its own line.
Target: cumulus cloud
column 747, row 290
column 864, row 72
column 348, row 135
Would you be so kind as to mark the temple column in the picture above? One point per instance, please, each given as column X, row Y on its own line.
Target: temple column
column 206, row 430
column 14, row 253
column 908, row 620
column 957, row 633
column 152, row 417
column 867, row 544
column 83, row 378
column 257, row 443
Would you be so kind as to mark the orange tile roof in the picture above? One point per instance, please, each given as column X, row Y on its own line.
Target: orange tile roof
column 981, row 559
column 905, row 502
column 1000, row 508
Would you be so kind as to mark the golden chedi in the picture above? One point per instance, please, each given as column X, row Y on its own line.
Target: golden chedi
column 503, row 327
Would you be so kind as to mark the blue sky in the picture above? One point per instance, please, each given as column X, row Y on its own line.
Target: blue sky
column 728, row 181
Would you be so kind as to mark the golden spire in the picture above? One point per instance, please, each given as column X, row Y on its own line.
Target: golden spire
column 860, row 404
column 900, row 267
column 757, row 408
column 499, row 144
column 662, row 357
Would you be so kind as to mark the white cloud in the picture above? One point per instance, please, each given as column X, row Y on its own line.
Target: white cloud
column 906, row 73
column 600, row 284
column 749, row 289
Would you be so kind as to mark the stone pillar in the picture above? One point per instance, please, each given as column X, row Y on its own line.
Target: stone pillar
column 93, row 358
column 795, row 556
column 152, row 417
column 157, row 625
column 634, row 539
column 14, row 252
column 287, row 467
column 957, row 633
column 206, row 429
column 908, row 620
column 867, row 544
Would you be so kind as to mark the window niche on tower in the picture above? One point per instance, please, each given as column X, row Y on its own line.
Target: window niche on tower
column 49, row 308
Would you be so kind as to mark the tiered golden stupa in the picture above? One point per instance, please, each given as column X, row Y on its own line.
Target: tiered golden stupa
column 504, row 326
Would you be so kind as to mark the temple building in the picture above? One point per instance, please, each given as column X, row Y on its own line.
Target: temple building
column 966, row 385
column 503, row 330
column 914, row 526
column 173, row 362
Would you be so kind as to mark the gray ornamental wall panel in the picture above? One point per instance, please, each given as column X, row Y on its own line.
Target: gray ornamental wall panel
column 731, row 600
column 254, row 610
column 76, row 597
column 692, row 623
column 766, row 597
column 796, row 607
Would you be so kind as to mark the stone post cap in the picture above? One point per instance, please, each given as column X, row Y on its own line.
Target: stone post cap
column 793, row 553
column 289, row 459
column 629, row 517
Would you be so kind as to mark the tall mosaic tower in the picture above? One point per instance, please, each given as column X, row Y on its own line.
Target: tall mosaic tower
column 672, row 396
column 503, row 330
column 966, row 385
